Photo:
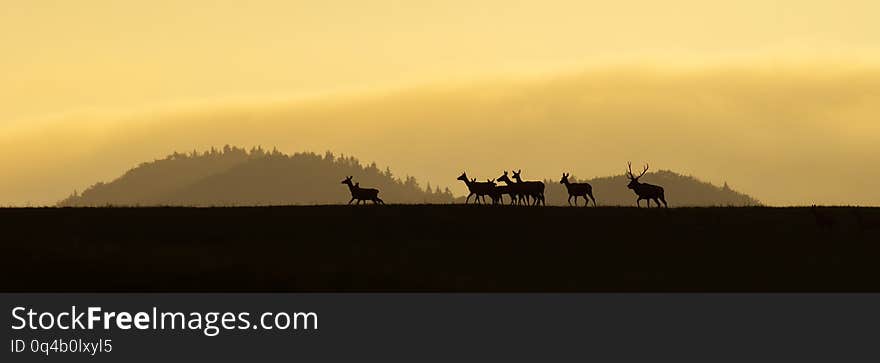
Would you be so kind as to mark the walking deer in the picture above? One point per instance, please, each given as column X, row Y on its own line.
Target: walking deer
column 578, row 190
column 514, row 190
column 362, row 194
column 534, row 189
column 645, row 190
column 481, row 190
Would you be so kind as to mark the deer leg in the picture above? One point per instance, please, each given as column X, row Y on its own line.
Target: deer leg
column 638, row 205
column 352, row 200
column 468, row 197
column 575, row 200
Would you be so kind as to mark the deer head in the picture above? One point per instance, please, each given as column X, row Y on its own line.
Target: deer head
column 463, row 177
column 346, row 181
column 516, row 176
column 564, row 179
column 634, row 180
column 505, row 178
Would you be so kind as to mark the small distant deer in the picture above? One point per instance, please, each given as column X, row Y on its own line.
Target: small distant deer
column 362, row 194
column 823, row 220
column 645, row 190
column 479, row 189
column 578, row 190
column 534, row 189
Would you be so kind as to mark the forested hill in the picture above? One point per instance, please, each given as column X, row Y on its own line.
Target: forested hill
column 235, row 176
column 680, row 190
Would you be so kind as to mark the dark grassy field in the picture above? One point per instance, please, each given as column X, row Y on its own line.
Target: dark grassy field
column 438, row 248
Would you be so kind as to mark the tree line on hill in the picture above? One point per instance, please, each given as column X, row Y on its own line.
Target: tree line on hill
column 234, row 176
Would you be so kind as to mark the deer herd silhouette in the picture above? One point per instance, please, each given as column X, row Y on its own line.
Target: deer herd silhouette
column 526, row 192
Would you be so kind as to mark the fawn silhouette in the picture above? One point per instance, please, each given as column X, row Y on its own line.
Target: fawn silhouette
column 645, row 190
column 534, row 189
column 362, row 194
column 481, row 190
column 823, row 220
column 578, row 190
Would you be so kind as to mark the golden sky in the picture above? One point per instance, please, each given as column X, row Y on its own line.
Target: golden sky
column 93, row 87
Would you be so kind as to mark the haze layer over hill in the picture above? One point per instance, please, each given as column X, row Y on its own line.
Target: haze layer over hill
column 787, row 135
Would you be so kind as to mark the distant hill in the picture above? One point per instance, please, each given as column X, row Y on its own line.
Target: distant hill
column 235, row 176
column 681, row 190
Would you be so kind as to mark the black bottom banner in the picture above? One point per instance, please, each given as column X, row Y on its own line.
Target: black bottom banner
column 440, row 327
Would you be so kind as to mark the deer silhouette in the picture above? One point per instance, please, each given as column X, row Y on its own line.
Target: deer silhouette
column 481, row 190
column 514, row 190
column 362, row 194
column 534, row 189
column 578, row 190
column 645, row 190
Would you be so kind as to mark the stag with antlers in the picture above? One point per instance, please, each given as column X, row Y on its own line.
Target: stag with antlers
column 362, row 194
column 578, row 190
column 644, row 190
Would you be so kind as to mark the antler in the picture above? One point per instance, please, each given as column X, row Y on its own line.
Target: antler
column 630, row 174
column 643, row 171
